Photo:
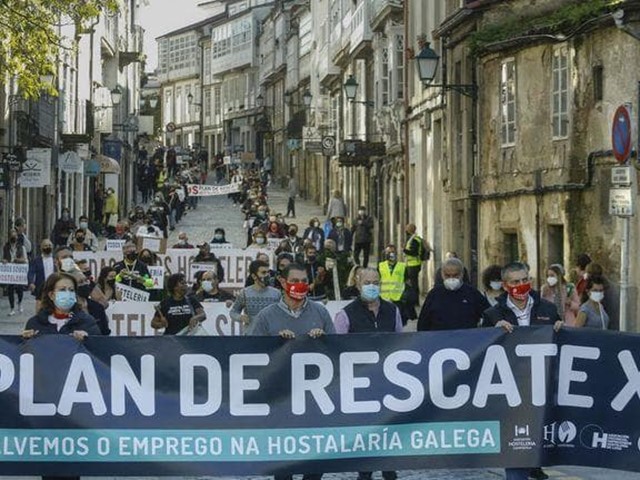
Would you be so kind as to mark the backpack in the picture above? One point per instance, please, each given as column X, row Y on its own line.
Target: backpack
column 424, row 250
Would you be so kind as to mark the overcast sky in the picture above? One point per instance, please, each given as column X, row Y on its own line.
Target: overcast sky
column 158, row 17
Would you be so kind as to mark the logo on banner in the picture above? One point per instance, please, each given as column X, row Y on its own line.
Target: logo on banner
column 560, row 434
column 594, row 437
column 521, row 439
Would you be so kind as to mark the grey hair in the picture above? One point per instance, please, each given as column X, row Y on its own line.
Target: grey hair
column 514, row 267
column 453, row 262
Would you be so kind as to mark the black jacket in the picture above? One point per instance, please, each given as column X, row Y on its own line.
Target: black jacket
column 80, row 320
column 452, row 309
column 543, row 312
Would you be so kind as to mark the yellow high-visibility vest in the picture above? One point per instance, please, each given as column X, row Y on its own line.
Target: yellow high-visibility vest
column 391, row 282
column 411, row 260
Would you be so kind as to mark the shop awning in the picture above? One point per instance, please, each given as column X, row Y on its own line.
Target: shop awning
column 108, row 164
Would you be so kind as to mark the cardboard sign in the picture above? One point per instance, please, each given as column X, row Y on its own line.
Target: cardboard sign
column 13, row 273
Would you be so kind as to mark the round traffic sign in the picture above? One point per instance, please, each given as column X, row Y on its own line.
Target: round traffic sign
column 621, row 134
column 171, row 127
column 328, row 142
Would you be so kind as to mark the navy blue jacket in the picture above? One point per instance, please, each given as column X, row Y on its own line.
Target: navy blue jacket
column 543, row 312
column 36, row 275
column 452, row 309
column 79, row 321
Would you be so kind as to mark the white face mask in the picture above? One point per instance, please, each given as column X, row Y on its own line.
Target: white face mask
column 552, row 281
column 207, row 285
column 452, row 283
column 596, row 296
column 495, row 285
column 67, row 265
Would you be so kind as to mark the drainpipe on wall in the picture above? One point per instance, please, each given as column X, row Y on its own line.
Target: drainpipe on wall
column 405, row 74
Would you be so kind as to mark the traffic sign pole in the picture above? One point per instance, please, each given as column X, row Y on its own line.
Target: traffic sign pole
column 621, row 133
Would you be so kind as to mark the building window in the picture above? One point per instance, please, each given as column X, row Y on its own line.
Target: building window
column 207, row 103
column 560, row 93
column 598, row 83
column 384, row 77
column 399, row 61
column 179, row 105
column 508, row 102
column 510, row 248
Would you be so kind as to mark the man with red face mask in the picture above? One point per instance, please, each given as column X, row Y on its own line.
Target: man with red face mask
column 521, row 307
column 294, row 314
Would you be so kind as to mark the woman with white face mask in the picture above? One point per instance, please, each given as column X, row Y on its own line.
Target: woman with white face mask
column 592, row 313
column 561, row 293
column 492, row 283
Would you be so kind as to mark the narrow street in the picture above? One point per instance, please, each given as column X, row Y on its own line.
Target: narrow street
column 219, row 211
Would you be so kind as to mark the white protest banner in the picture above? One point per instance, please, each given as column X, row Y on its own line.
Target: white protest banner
column 196, row 190
column 99, row 260
column 134, row 319
column 220, row 246
column 13, row 273
column 114, row 245
column 36, row 170
column 157, row 275
column 234, row 261
column 130, row 294
column 203, row 267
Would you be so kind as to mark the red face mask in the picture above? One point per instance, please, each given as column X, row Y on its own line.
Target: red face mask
column 297, row 291
column 520, row 292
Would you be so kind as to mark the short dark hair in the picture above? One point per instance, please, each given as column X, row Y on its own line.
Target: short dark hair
column 256, row 265
column 293, row 266
column 582, row 260
column 60, row 249
column 173, row 280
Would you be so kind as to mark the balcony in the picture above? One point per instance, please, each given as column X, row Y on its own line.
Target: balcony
column 132, row 51
column 361, row 34
column 340, row 40
column 383, row 9
column 327, row 71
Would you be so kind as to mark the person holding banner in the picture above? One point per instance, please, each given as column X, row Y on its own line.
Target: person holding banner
column 294, row 314
column 369, row 313
column 178, row 311
column 205, row 255
column 14, row 252
column 521, row 307
column 60, row 313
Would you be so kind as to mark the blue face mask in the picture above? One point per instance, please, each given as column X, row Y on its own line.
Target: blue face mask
column 65, row 300
column 370, row 292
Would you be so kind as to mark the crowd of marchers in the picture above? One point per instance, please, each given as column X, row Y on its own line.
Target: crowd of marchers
column 316, row 261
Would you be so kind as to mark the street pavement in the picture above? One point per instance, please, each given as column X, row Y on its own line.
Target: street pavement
column 199, row 224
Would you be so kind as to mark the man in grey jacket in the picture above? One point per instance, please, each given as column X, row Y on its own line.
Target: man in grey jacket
column 294, row 314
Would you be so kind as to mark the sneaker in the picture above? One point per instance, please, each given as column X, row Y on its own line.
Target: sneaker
column 20, row 308
column 12, row 313
column 538, row 474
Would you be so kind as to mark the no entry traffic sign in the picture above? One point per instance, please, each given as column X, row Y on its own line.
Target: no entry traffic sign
column 621, row 134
